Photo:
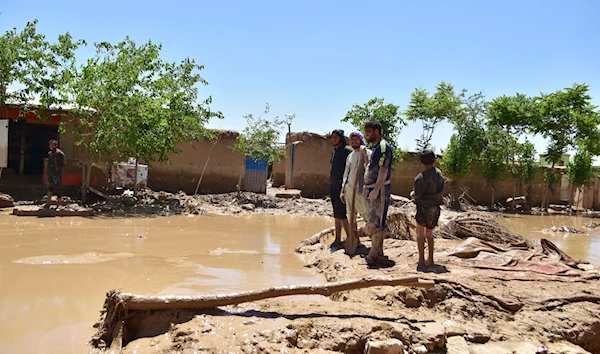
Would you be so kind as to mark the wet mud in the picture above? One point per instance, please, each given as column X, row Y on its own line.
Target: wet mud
column 55, row 272
column 488, row 298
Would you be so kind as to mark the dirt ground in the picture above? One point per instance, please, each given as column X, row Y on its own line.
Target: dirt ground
column 493, row 300
column 149, row 203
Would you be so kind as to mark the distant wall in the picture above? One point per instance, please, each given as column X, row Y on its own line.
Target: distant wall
column 310, row 173
column 279, row 173
column 221, row 175
column 184, row 171
column 308, row 163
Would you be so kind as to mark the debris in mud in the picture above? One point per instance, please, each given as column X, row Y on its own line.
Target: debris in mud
column 52, row 211
column 564, row 229
column 483, row 227
column 6, row 201
column 592, row 225
column 148, row 203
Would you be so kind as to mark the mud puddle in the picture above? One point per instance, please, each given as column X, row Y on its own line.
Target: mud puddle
column 584, row 245
column 54, row 273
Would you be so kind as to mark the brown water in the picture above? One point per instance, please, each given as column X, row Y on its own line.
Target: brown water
column 55, row 272
column 584, row 246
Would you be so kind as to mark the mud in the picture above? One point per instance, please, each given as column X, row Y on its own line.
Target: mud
column 581, row 245
column 55, row 272
column 502, row 299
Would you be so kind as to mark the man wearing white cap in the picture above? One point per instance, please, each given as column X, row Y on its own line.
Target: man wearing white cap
column 352, row 187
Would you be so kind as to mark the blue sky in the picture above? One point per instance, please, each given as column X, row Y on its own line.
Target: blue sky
column 317, row 58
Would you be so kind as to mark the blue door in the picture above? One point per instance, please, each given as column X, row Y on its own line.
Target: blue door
column 256, row 176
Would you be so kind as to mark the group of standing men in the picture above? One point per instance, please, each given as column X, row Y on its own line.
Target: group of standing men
column 360, row 183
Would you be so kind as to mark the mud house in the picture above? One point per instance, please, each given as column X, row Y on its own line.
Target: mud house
column 24, row 146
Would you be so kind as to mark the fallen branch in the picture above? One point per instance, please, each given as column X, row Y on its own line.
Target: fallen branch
column 119, row 307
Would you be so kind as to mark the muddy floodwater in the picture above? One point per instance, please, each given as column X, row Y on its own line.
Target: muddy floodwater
column 583, row 246
column 55, row 272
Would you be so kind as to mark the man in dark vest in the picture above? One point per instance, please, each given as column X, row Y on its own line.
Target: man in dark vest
column 54, row 169
column 338, row 165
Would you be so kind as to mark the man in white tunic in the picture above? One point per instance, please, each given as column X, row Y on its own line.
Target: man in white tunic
column 354, row 178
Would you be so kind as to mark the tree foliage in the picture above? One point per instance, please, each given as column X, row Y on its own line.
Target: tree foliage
column 527, row 169
column 432, row 110
column 466, row 144
column 31, row 68
column 468, row 139
column 387, row 114
column 566, row 118
column 130, row 102
column 497, row 156
column 260, row 138
column 580, row 170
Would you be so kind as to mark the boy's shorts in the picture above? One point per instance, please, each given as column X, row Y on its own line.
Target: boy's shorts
column 428, row 216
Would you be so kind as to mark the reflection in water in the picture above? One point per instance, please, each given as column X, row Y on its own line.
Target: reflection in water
column 584, row 246
column 48, row 306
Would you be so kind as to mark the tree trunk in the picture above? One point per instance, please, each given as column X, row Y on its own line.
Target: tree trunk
column 493, row 198
column 455, row 195
column 88, row 176
column 514, row 194
column 148, row 303
column 545, row 199
column 135, row 179
column 119, row 307
column 83, row 189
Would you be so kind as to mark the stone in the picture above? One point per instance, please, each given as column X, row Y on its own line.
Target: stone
column 454, row 329
column 421, row 349
column 6, row 201
column 457, row 345
column 248, row 207
column 388, row 346
column 479, row 335
column 432, row 335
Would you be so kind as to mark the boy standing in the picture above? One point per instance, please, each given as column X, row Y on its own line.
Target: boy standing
column 428, row 192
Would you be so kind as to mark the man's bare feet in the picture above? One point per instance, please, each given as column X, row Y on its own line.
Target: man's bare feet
column 421, row 267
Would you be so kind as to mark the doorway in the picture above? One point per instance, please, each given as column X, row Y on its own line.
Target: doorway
column 28, row 146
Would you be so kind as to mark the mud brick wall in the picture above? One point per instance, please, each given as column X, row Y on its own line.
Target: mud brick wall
column 182, row 174
column 310, row 173
column 221, row 175
column 279, row 173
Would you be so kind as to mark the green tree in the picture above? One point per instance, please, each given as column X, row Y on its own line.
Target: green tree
column 497, row 157
column 432, row 110
column 31, row 68
column 129, row 102
column 580, row 170
column 566, row 118
column 260, row 138
column 387, row 114
column 466, row 145
column 526, row 170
